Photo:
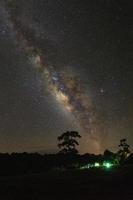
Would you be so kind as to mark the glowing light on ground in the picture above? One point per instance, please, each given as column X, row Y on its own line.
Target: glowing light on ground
column 107, row 164
column 96, row 165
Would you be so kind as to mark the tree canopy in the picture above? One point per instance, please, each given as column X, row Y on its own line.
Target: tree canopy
column 68, row 142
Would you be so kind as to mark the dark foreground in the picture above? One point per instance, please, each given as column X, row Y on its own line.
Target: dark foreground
column 70, row 185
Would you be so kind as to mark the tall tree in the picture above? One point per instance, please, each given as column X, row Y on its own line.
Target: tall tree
column 124, row 151
column 68, row 142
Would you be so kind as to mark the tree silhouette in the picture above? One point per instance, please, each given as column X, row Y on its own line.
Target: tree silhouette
column 111, row 157
column 124, row 151
column 68, row 142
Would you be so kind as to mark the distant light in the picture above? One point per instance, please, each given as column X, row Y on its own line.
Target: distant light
column 102, row 90
column 107, row 164
column 55, row 78
column 85, row 166
column 97, row 164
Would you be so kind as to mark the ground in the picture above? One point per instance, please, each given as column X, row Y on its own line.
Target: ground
column 93, row 184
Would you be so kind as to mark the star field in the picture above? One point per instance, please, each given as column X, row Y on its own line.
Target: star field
column 65, row 65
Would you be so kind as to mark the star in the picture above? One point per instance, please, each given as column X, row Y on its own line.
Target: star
column 102, row 90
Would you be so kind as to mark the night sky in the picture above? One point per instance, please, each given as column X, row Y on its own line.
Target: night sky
column 65, row 65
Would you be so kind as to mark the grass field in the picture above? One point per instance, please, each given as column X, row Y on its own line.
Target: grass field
column 70, row 185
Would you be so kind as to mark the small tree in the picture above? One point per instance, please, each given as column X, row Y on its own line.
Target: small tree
column 68, row 142
column 124, row 151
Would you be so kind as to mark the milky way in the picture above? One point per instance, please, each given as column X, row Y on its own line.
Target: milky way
column 66, row 88
column 65, row 65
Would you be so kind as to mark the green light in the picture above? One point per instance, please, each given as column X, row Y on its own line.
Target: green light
column 85, row 166
column 97, row 164
column 107, row 164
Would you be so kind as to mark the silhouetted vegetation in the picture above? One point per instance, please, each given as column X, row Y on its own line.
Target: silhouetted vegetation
column 36, row 176
column 124, row 151
column 68, row 142
column 27, row 163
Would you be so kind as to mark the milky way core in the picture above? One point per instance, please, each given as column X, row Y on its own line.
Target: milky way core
column 66, row 88
column 74, row 71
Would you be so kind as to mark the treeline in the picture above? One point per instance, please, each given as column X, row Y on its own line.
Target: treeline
column 17, row 163
column 27, row 163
